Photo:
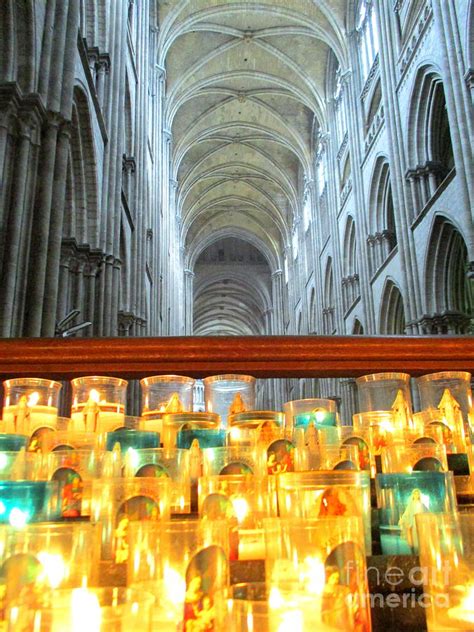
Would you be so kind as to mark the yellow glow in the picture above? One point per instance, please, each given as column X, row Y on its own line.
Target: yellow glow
column 241, row 508
column 291, row 621
column 94, row 396
column 386, row 425
column 175, row 585
column 249, row 622
column 33, row 398
column 320, row 414
column 3, row 461
column 275, row 599
column 85, row 611
column 17, row 518
column 54, row 568
column 468, row 602
column 313, row 575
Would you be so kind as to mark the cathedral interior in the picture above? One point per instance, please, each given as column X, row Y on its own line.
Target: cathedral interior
column 197, row 167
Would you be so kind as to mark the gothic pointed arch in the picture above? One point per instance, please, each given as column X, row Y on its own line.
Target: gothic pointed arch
column 392, row 310
column 430, row 150
column 449, row 299
column 383, row 237
column 329, row 321
column 350, row 279
column 357, row 328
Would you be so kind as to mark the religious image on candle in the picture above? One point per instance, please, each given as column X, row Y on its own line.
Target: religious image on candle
column 206, row 578
column 136, row 508
column 280, row 457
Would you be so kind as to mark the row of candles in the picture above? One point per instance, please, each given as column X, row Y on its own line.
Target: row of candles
column 97, row 491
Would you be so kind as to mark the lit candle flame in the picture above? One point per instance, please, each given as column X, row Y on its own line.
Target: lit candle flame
column 85, row 611
column 241, row 508
column 94, row 396
column 54, row 568
column 33, row 398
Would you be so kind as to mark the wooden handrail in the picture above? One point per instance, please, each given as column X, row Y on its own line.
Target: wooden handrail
column 261, row 356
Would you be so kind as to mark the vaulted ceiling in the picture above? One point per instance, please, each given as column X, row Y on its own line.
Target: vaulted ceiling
column 245, row 92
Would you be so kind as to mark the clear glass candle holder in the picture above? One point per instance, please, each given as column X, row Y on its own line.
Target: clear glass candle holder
column 361, row 440
column 116, row 503
column 91, row 609
column 386, row 391
column 173, row 464
column 255, row 606
column 301, row 412
column 75, row 470
column 322, row 558
column 229, row 394
column 173, row 423
column 401, row 497
column 447, row 397
column 243, row 501
column 447, row 560
column 30, row 403
column 185, row 564
column 422, row 457
column 98, row 403
column 320, row 494
column 164, row 394
column 205, row 437
column 47, row 556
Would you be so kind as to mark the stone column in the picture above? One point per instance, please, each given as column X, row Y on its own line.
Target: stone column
column 277, row 303
column 103, row 67
column 27, row 123
column 188, row 301
column 397, row 153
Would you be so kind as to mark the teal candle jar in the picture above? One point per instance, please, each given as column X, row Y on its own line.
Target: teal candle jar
column 22, row 502
column 206, row 437
column 320, row 419
column 401, row 497
column 12, row 442
column 136, row 439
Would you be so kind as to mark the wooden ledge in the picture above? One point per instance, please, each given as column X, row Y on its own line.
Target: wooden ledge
column 261, row 356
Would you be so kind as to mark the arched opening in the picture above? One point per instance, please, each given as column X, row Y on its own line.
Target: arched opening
column 392, row 311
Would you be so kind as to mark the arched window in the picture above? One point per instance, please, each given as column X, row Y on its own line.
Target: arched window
column 368, row 36
column 328, row 309
column 350, row 280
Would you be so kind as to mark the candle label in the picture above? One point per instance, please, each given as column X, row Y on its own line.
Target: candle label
column 21, row 579
column 345, row 464
column 344, row 596
column 336, row 501
column 38, row 438
column 153, row 470
column 417, row 503
column 280, row 457
column 364, row 453
column 134, row 508
column 206, row 578
column 71, row 491
column 236, row 467
column 428, row 464
column 220, row 507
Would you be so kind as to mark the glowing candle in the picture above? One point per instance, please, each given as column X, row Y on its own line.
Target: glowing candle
column 85, row 611
column 464, row 613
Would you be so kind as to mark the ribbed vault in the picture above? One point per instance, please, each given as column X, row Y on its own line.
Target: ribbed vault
column 245, row 90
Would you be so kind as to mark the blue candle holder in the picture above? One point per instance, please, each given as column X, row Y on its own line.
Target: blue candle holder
column 22, row 502
column 12, row 442
column 400, row 497
column 207, row 438
column 137, row 439
column 321, row 419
